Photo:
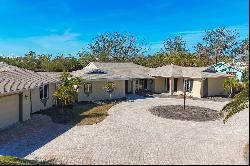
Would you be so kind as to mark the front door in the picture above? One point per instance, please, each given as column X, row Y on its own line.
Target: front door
column 175, row 84
column 167, row 87
column 145, row 84
column 126, row 86
column 205, row 88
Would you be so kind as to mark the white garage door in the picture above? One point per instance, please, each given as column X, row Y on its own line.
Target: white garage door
column 9, row 110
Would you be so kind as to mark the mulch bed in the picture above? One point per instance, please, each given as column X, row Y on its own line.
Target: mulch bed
column 191, row 113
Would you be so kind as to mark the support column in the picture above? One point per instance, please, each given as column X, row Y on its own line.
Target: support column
column 171, row 85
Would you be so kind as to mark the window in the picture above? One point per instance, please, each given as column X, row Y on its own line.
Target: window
column 44, row 92
column 88, row 88
column 188, row 85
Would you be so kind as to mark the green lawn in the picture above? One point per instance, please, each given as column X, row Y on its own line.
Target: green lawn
column 9, row 160
column 84, row 113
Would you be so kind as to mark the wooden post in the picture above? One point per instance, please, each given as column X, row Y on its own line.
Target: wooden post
column 184, row 99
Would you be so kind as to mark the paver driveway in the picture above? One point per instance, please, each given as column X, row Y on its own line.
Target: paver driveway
column 132, row 135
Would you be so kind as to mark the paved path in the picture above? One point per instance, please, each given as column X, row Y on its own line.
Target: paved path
column 132, row 135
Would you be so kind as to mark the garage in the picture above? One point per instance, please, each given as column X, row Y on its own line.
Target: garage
column 9, row 110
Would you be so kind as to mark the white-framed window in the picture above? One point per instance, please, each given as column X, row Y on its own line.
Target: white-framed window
column 88, row 88
column 188, row 85
column 44, row 91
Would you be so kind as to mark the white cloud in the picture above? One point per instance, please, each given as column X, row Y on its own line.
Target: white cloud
column 66, row 43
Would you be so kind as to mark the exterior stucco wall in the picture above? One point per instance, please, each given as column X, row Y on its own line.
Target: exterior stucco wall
column 26, row 110
column 216, row 86
column 98, row 92
column 37, row 104
column 197, row 88
column 9, row 110
column 180, row 86
column 159, row 84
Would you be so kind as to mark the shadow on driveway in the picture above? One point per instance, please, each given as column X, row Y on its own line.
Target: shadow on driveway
column 22, row 139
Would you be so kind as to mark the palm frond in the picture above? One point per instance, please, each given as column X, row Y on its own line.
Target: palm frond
column 239, row 103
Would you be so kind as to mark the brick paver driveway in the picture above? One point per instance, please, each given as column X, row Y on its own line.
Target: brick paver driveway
column 132, row 135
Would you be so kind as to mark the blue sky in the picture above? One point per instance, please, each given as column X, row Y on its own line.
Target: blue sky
column 67, row 26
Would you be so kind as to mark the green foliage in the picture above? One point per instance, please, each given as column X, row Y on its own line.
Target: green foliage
column 231, row 85
column 9, row 160
column 240, row 101
column 116, row 47
column 66, row 90
column 242, row 50
column 174, row 46
column 219, row 44
column 109, row 87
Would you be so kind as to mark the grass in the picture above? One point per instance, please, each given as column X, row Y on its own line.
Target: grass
column 9, row 160
column 246, row 151
column 83, row 113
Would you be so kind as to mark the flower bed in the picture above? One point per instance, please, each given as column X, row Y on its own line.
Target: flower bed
column 191, row 113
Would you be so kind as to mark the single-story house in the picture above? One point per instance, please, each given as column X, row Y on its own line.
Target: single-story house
column 195, row 81
column 130, row 78
column 127, row 78
column 23, row 92
column 227, row 68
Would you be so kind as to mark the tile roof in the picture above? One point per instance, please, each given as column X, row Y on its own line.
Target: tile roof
column 14, row 79
column 189, row 72
column 102, row 71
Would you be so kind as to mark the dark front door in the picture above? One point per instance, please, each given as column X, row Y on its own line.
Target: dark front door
column 126, row 86
column 175, row 84
column 167, row 84
column 205, row 87
column 145, row 84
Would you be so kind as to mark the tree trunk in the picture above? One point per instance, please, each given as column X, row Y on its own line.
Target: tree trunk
column 231, row 92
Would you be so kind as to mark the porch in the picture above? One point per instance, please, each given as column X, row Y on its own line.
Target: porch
column 132, row 86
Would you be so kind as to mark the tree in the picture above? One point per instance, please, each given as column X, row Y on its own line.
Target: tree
column 174, row 46
column 45, row 63
column 231, row 85
column 220, row 42
column 202, row 53
column 240, row 101
column 116, row 47
column 66, row 90
column 30, row 61
column 242, row 50
column 86, row 57
column 109, row 87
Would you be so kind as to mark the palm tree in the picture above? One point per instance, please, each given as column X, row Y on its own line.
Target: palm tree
column 230, row 85
column 240, row 102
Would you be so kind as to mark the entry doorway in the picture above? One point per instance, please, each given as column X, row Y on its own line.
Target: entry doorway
column 126, row 86
column 175, row 84
column 167, row 84
column 205, row 87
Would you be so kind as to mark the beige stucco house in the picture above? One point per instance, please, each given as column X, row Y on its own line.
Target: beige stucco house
column 196, row 81
column 23, row 92
column 127, row 78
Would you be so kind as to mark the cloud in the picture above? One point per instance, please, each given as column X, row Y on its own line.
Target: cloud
column 66, row 43
column 193, row 37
